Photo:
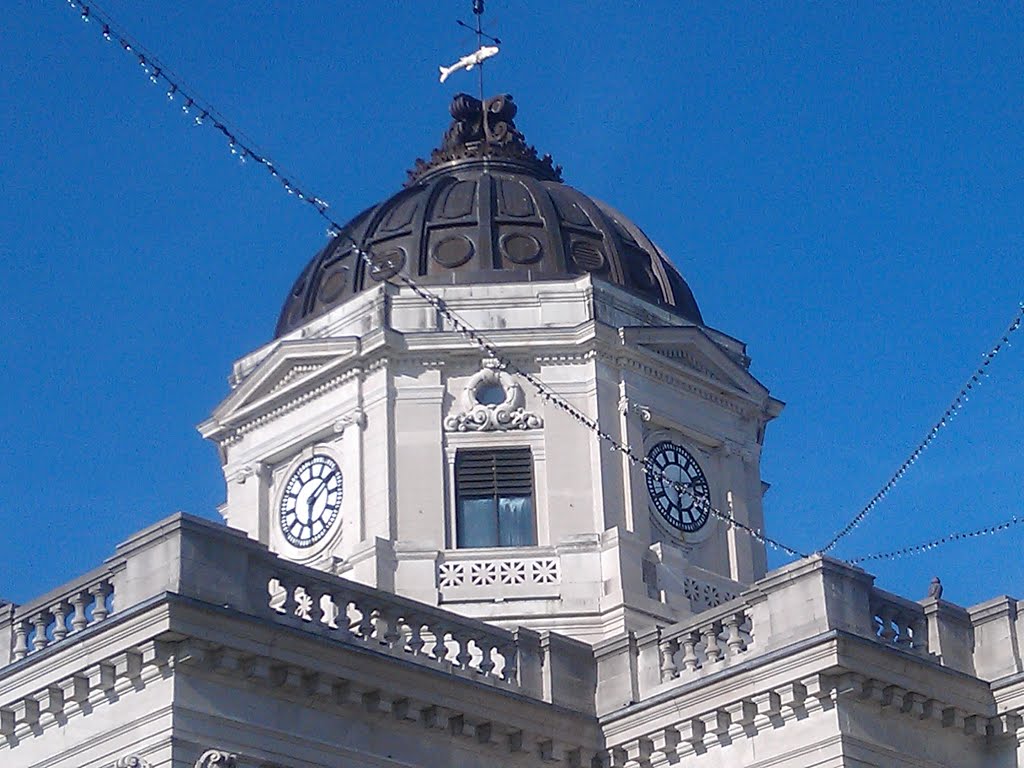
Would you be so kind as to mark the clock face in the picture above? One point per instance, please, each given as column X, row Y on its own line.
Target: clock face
column 311, row 501
column 684, row 508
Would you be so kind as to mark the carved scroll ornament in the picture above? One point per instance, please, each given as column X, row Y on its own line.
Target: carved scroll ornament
column 215, row 758
column 479, row 414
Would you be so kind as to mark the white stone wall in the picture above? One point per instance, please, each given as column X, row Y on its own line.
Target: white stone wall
column 372, row 383
column 212, row 642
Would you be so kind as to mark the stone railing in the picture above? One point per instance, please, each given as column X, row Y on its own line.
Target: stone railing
column 55, row 616
column 899, row 622
column 812, row 598
column 351, row 612
column 715, row 640
column 217, row 566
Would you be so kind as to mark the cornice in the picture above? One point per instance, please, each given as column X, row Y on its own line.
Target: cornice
column 503, row 726
column 674, row 738
column 101, row 683
column 576, row 345
column 388, row 700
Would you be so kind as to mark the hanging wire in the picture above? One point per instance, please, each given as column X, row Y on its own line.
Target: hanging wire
column 545, row 392
column 927, row 546
column 948, row 415
column 198, row 108
column 244, row 148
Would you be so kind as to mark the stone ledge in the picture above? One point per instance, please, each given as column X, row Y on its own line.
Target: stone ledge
column 783, row 704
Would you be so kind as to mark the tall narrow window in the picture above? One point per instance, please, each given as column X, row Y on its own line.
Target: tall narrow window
column 494, row 498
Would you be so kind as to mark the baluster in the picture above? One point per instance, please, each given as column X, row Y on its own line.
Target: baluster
column 41, row 621
column 21, row 629
column 899, row 625
column 366, row 626
column 342, row 619
column 690, row 660
column 60, row 616
column 734, row 642
column 486, row 662
column 415, row 642
column 303, row 603
column 711, row 647
column 276, row 595
column 392, row 620
column 80, row 621
column 100, row 592
column 463, row 657
column 886, row 615
column 440, row 647
column 510, row 673
column 668, row 650
column 285, row 601
column 327, row 613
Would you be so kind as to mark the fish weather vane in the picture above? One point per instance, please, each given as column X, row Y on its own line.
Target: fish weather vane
column 482, row 53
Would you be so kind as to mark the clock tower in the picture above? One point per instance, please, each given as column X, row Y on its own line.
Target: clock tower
column 373, row 439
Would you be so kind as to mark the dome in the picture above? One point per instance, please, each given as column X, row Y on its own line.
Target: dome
column 485, row 209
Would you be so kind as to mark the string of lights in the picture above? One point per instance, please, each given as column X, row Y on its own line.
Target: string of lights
column 245, row 149
column 545, row 392
column 201, row 111
column 949, row 538
column 947, row 417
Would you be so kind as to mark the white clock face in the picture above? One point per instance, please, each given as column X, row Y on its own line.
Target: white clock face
column 678, row 488
column 311, row 501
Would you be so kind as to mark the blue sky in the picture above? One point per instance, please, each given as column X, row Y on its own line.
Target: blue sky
column 841, row 185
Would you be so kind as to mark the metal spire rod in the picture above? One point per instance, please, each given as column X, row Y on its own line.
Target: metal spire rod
column 478, row 11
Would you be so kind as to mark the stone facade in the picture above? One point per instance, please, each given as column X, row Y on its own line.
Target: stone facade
column 346, row 617
column 394, row 404
column 194, row 645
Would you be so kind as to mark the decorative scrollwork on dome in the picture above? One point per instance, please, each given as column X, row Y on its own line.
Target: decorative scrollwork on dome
column 492, row 401
column 485, row 129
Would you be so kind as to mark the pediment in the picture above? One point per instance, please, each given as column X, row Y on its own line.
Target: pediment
column 691, row 349
column 293, row 366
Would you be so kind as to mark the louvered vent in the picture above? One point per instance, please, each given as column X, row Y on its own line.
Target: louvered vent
column 502, row 472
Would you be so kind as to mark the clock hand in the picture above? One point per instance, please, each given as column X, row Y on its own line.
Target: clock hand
column 320, row 489
column 312, row 499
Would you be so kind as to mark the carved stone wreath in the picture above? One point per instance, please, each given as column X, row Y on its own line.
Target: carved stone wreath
column 215, row 758
column 480, row 416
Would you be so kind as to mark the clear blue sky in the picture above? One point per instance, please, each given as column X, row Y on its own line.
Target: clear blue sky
column 841, row 185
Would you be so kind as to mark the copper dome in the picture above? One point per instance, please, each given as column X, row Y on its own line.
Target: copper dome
column 485, row 209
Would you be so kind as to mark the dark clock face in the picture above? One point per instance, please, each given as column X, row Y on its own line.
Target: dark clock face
column 685, row 507
column 311, row 501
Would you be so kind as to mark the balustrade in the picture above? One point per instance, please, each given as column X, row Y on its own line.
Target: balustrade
column 44, row 622
column 714, row 639
column 899, row 622
column 352, row 612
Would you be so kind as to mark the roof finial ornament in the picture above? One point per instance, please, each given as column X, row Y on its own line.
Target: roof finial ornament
column 485, row 131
